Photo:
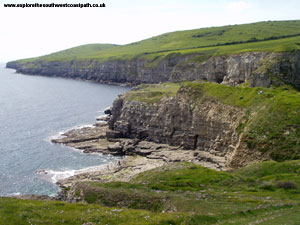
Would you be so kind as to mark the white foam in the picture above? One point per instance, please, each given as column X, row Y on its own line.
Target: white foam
column 82, row 126
column 56, row 136
column 60, row 175
column 60, row 134
column 15, row 194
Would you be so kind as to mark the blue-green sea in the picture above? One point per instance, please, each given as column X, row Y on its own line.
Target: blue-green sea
column 32, row 110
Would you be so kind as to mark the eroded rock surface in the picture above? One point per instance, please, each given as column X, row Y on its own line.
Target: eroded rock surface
column 233, row 69
column 140, row 156
column 208, row 128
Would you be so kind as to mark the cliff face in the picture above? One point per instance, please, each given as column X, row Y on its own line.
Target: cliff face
column 258, row 68
column 182, row 120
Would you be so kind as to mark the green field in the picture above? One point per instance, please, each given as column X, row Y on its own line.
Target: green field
column 263, row 36
column 181, row 193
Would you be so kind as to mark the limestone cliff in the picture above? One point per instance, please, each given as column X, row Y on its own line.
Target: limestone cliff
column 189, row 121
column 260, row 68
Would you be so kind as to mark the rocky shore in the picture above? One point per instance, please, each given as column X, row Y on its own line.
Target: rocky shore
column 139, row 155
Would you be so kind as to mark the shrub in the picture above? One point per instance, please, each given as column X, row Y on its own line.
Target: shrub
column 286, row 185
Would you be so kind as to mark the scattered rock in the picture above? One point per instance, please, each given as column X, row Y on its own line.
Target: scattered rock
column 116, row 147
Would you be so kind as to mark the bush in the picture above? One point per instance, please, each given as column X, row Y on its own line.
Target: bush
column 286, row 185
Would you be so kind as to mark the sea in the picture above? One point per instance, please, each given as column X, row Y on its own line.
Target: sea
column 34, row 109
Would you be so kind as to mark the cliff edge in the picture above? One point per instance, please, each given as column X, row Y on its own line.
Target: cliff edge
column 259, row 68
column 236, row 123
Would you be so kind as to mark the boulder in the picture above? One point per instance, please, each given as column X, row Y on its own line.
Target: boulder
column 107, row 111
column 116, row 148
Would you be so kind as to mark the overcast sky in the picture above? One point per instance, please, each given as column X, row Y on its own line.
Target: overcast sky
column 31, row 32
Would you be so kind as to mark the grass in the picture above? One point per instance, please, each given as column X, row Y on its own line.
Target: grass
column 78, row 52
column 263, row 36
column 274, row 175
column 15, row 211
column 187, row 194
column 153, row 93
column 184, row 178
column 110, row 195
column 214, row 196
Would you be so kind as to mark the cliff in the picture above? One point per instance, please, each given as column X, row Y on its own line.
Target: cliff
column 259, row 68
column 231, row 122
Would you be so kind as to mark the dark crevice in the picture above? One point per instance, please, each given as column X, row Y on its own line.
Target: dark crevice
column 195, row 141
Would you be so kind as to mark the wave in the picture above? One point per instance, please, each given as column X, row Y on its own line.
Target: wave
column 14, row 194
column 56, row 175
column 60, row 134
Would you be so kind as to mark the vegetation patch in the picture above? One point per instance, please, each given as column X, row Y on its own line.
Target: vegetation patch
column 152, row 93
column 122, row 196
column 184, row 193
column 184, row 177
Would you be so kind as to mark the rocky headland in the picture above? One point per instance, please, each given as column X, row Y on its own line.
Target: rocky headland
column 259, row 68
column 176, row 127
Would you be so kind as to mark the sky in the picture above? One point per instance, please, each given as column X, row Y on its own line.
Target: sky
column 31, row 32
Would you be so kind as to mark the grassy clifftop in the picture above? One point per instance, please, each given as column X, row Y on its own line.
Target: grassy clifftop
column 262, row 36
column 82, row 51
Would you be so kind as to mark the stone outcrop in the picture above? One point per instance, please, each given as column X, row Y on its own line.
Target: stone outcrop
column 256, row 67
column 207, row 127
column 140, row 155
column 183, row 127
column 86, row 140
column 178, row 121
